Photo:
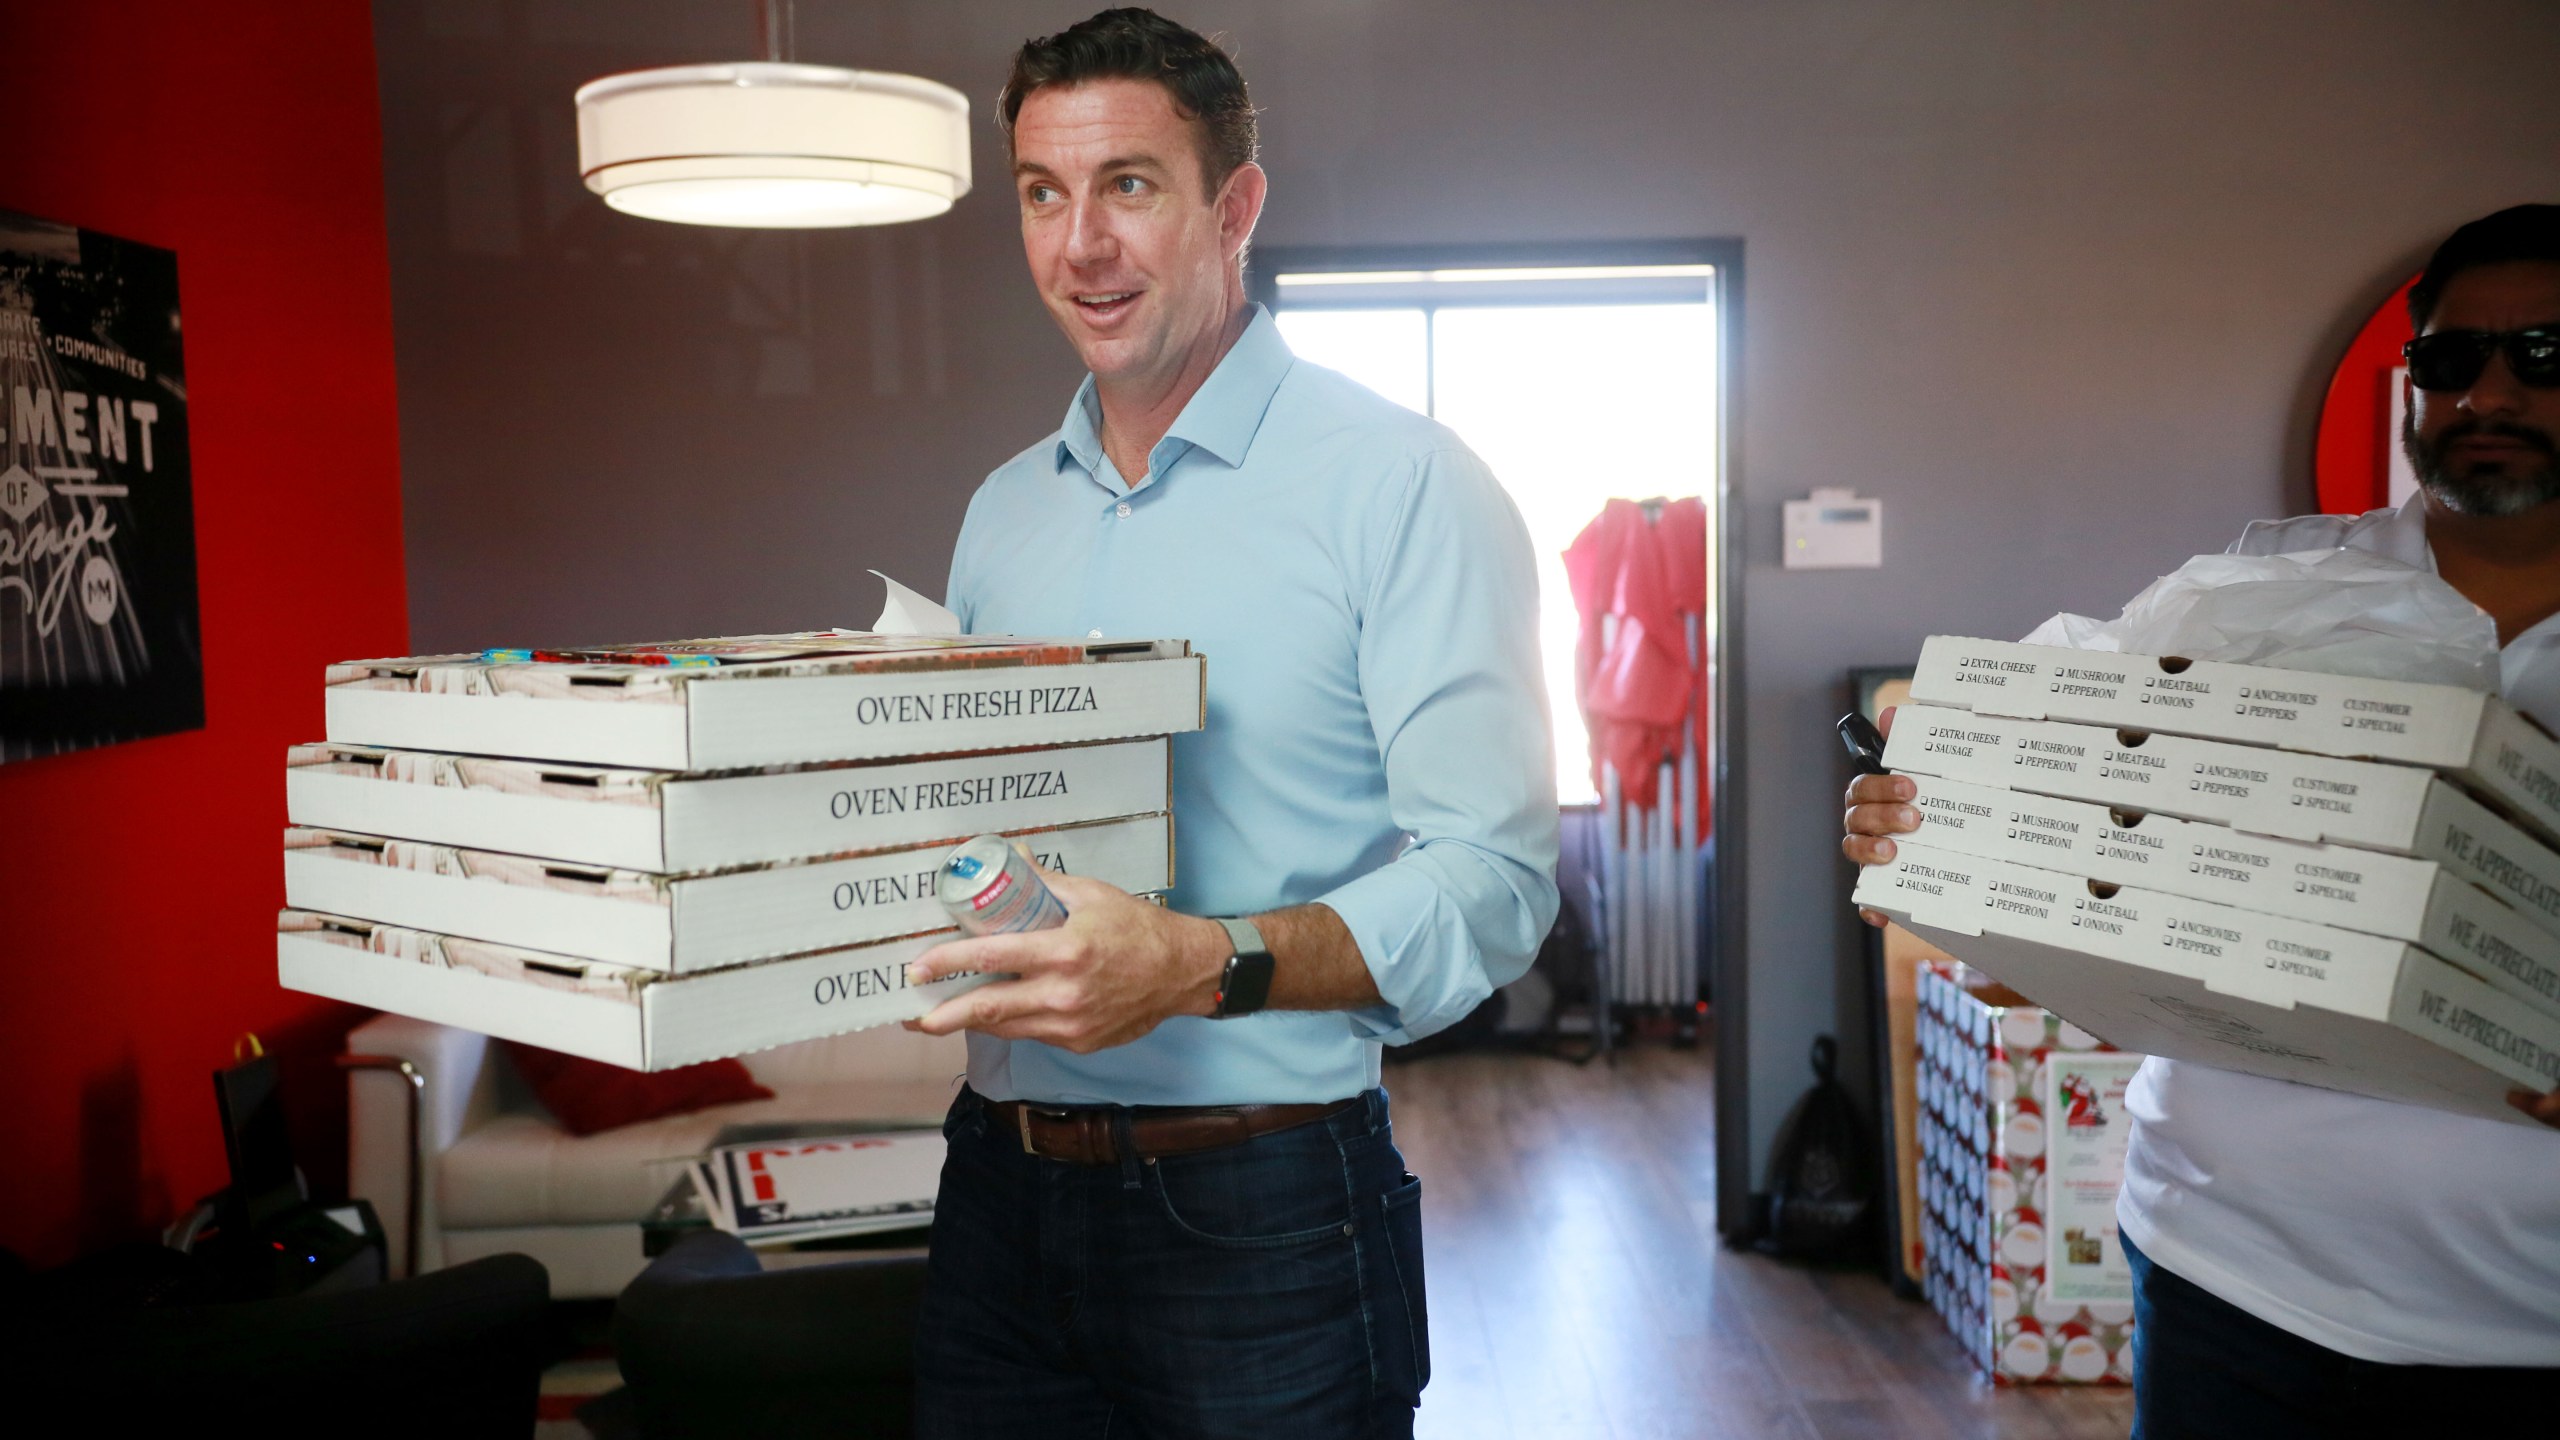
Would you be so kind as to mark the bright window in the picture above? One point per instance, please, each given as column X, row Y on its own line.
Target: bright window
column 1577, row 385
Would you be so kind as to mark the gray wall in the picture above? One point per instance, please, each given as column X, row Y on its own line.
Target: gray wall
column 2060, row 282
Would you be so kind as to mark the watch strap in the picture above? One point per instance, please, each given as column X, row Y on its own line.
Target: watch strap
column 1245, row 985
column 1244, row 935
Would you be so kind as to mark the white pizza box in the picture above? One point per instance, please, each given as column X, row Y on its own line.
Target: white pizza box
column 640, row 1019
column 2239, row 990
column 667, row 823
column 772, row 699
column 2477, row 738
column 680, row 924
column 2401, row 809
column 2460, row 844
column 2247, row 787
column 2461, row 924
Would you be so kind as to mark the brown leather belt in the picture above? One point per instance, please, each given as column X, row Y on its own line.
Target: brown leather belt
column 1085, row 1136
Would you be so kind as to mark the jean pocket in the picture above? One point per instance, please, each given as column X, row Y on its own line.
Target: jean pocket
column 1403, row 1326
column 1252, row 1197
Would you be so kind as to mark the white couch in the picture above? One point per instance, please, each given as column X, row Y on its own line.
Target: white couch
column 496, row 1173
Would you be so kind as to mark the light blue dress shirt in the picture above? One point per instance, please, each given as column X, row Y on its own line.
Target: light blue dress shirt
column 1377, row 734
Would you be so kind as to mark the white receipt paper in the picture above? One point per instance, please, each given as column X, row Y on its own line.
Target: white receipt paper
column 909, row 613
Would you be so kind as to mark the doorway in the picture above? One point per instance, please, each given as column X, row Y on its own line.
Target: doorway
column 1582, row 375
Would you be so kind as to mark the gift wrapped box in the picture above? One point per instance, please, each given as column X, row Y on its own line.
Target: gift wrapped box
column 2022, row 1134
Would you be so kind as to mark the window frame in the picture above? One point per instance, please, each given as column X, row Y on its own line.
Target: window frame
column 1729, row 980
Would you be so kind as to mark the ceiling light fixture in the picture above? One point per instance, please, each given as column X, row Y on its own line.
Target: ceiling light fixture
column 772, row 144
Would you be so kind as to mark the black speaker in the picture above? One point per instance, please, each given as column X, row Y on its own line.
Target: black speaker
column 262, row 1236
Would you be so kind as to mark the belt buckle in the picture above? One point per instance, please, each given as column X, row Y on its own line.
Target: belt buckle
column 1022, row 1114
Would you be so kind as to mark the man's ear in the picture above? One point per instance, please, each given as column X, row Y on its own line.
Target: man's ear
column 1240, row 207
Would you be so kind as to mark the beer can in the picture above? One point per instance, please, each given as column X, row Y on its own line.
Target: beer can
column 990, row 888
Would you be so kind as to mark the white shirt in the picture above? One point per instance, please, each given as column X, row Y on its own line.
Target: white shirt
column 2383, row 1231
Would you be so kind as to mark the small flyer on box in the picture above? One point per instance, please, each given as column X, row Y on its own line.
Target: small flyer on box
column 2085, row 1129
column 829, row 1185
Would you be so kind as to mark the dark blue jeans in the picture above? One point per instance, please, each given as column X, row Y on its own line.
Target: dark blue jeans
column 2204, row 1369
column 1272, row 1288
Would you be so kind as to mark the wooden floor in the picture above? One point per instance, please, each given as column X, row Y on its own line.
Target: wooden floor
column 1578, row 1288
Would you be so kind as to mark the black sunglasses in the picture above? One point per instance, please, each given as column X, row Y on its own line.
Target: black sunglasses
column 2453, row 359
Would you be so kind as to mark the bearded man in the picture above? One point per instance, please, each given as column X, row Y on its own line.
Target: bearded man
column 2308, row 1262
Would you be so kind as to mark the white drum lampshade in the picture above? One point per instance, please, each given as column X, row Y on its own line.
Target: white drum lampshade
column 773, row 146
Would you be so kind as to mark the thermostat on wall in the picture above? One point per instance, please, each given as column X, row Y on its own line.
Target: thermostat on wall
column 1834, row 530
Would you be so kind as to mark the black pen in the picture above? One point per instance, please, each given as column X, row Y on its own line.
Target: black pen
column 1865, row 743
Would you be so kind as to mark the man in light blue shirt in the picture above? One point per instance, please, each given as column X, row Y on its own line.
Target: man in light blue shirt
column 1173, row 1205
column 1365, row 596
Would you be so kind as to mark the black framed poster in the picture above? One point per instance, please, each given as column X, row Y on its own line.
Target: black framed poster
column 98, row 634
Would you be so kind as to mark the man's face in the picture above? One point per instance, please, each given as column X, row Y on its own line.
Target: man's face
column 1133, row 256
column 2491, row 449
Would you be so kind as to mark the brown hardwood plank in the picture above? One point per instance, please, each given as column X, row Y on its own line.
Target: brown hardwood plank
column 1578, row 1289
column 1529, row 1360
column 1693, row 1367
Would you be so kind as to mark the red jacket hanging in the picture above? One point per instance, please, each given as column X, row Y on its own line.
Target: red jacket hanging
column 1640, row 690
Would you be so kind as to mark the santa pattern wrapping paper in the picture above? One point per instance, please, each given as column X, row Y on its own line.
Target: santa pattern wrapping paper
column 2021, row 1142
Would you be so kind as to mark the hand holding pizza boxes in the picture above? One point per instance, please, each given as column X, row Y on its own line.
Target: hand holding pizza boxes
column 656, row 855
column 2335, row 879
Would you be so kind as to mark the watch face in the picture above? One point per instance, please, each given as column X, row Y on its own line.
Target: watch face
column 1246, row 985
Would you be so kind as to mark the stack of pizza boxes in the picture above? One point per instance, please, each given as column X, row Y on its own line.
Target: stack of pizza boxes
column 657, row 855
column 2022, row 1132
column 2343, row 881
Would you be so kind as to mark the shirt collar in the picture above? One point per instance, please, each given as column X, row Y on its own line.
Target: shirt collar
column 1222, row 416
column 1080, row 435
column 2403, row 535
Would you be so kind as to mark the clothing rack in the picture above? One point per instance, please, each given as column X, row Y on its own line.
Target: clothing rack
column 1651, row 881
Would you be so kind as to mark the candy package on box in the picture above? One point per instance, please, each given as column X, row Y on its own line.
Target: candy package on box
column 2022, row 1134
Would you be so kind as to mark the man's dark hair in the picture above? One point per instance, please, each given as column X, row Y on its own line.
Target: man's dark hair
column 1134, row 44
column 2520, row 232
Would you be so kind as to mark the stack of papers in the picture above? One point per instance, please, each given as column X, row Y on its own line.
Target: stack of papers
column 2337, row 880
column 662, row 854
column 774, row 1191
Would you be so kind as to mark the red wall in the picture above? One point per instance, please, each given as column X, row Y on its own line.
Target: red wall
column 139, row 883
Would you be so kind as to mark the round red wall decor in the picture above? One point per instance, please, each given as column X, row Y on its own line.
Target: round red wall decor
column 2352, row 456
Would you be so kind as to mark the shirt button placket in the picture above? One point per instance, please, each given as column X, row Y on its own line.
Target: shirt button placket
column 1093, row 580
column 1123, row 511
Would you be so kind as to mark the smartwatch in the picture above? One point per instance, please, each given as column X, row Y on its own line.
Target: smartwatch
column 1246, row 985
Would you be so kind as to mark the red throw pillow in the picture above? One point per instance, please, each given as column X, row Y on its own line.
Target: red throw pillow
column 590, row 1095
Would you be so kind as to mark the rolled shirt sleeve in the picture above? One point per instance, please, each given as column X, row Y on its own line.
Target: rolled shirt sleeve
column 1448, row 664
